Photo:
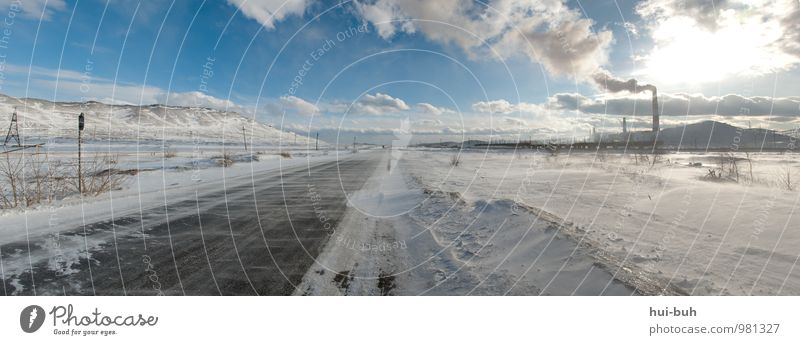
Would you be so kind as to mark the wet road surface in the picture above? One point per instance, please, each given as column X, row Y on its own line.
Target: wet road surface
column 256, row 236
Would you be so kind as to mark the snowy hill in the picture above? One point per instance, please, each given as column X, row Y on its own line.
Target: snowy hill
column 719, row 135
column 45, row 119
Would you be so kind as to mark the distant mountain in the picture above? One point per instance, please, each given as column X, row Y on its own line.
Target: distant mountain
column 715, row 134
column 41, row 118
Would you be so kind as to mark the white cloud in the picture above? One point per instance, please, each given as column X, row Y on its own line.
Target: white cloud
column 62, row 74
column 379, row 104
column 428, row 108
column 428, row 122
column 548, row 32
column 679, row 105
column 493, row 107
column 130, row 94
column 106, row 92
column 513, row 121
column 268, row 12
column 70, row 84
column 33, row 8
column 528, row 115
column 195, row 99
column 299, row 105
column 699, row 41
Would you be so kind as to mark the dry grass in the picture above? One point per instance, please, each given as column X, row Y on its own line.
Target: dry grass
column 170, row 154
column 27, row 180
column 226, row 160
column 727, row 169
column 100, row 175
column 455, row 160
column 785, row 178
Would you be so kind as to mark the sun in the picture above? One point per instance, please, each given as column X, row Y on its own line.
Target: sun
column 687, row 53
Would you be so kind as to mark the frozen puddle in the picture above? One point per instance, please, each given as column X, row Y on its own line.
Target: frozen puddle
column 396, row 240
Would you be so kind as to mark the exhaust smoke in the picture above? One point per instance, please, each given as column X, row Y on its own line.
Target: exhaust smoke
column 631, row 85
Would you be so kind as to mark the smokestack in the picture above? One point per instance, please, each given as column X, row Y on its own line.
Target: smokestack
column 631, row 85
column 655, row 110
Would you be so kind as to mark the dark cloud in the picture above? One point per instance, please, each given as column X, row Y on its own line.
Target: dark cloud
column 613, row 84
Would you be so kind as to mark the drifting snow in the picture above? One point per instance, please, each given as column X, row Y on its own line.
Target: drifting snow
column 661, row 227
column 399, row 238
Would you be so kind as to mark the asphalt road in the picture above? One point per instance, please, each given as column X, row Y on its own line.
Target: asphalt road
column 256, row 236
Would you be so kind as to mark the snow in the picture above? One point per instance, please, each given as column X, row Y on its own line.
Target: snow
column 402, row 239
column 672, row 230
column 45, row 121
column 500, row 222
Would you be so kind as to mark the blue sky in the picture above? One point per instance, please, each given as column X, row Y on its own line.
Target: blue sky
column 450, row 67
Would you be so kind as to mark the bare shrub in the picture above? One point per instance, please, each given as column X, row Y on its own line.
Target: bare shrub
column 641, row 158
column 170, row 154
column 100, row 175
column 657, row 157
column 285, row 154
column 786, row 179
column 750, row 168
column 727, row 169
column 226, row 160
column 11, row 171
column 600, row 156
column 28, row 180
column 455, row 160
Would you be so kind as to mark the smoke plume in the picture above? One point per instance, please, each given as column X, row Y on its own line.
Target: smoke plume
column 618, row 85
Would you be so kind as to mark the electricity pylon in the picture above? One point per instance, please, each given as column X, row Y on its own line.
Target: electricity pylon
column 13, row 130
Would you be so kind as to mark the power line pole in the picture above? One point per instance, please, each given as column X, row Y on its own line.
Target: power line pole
column 244, row 135
column 355, row 149
column 317, row 146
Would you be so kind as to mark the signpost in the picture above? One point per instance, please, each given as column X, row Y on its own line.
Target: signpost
column 80, row 176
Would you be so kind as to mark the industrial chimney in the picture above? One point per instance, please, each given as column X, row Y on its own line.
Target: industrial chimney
column 653, row 90
column 631, row 85
column 655, row 110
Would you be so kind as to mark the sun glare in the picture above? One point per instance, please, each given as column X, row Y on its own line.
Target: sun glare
column 686, row 53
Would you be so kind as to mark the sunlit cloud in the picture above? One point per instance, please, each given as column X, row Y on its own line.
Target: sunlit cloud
column 704, row 41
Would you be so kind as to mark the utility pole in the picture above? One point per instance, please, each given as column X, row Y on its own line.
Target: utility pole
column 244, row 135
column 317, row 146
column 80, row 175
column 355, row 149
column 295, row 139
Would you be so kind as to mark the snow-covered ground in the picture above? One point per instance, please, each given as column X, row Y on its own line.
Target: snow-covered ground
column 401, row 238
column 43, row 121
column 660, row 227
column 499, row 222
